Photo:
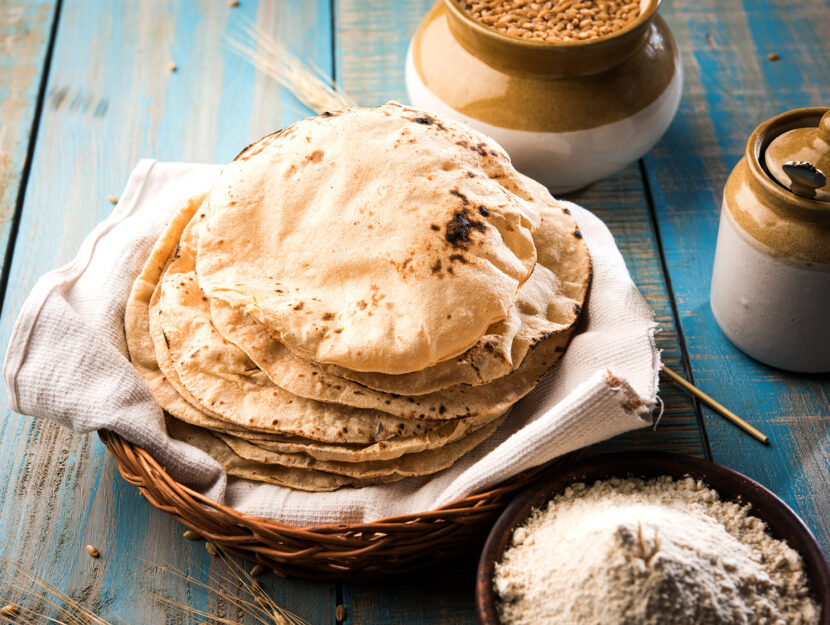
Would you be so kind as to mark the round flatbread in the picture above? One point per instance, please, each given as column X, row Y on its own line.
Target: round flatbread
column 137, row 323
column 299, row 479
column 165, row 385
column 457, row 402
column 382, row 450
column 375, row 239
column 408, row 465
column 549, row 302
column 228, row 386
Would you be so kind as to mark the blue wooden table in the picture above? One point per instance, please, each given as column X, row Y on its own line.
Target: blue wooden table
column 86, row 90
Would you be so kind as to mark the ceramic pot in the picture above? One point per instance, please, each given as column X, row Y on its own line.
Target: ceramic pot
column 568, row 112
column 771, row 278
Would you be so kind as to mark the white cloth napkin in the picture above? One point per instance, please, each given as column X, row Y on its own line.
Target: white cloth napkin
column 67, row 361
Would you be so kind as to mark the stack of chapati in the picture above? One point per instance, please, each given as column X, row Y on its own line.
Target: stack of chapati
column 360, row 298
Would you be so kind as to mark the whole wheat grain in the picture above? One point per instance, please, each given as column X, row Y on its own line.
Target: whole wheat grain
column 565, row 20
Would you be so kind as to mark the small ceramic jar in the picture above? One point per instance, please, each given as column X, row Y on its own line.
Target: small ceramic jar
column 771, row 281
column 568, row 112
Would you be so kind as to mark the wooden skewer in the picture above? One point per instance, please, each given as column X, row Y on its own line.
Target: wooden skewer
column 717, row 407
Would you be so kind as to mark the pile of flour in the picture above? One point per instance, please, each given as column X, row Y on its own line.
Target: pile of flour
column 657, row 552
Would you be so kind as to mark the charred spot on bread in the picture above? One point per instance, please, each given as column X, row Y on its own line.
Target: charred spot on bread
column 460, row 196
column 428, row 120
column 458, row 229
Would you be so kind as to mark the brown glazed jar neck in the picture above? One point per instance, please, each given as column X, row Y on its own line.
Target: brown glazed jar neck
column 515, row 55
column 782, row 201
column 787, row 225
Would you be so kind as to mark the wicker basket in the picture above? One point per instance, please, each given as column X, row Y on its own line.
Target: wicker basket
column 358, row 551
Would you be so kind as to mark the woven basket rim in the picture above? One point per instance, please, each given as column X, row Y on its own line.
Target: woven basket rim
column 459, row 506
column 333, row 551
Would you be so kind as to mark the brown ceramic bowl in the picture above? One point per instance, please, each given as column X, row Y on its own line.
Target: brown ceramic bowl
column 782, row 522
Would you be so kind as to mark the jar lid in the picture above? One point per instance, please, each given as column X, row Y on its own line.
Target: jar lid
column 799, row 160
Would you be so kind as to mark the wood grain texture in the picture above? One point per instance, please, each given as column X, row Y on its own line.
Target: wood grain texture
column 371, row 39
column 731, row 87
column 621, row 202
column 24, row 37
column 111, row 100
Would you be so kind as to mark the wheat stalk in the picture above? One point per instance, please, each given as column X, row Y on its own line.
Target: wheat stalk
column 66, row 611
column 305, row 80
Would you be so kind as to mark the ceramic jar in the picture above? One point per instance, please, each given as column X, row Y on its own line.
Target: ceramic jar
column 568, row 112
column 771, row 281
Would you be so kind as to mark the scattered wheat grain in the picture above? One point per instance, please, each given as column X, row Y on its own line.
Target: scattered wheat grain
column 10, row 610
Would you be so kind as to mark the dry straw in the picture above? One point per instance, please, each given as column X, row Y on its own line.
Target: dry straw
column 55, row 606
column 306, row 81
column 259, row 605
column 716, row 406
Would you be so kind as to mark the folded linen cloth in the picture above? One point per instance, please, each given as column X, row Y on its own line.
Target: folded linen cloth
column 67, row 361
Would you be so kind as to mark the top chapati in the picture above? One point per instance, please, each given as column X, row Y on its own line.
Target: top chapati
column 381, row 240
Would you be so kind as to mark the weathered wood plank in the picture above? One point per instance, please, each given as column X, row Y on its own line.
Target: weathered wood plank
column 731, row 87
column 111, row 100
column 621, row 202
column 25, row 30
column 371, row 39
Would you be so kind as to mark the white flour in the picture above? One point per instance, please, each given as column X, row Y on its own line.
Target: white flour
column 658, row 552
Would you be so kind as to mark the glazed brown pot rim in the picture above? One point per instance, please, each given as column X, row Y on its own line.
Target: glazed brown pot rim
column 782, row 522
column 639, row 23
column 756, row 146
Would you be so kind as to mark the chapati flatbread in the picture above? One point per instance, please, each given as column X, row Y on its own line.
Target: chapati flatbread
column 548, row 302
column 328, row 316
column 376, row 239
column 408, row 465
column 136, row 318
column 382, row 450
column 299, row 479
column 228, row 386
column 166, row 388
